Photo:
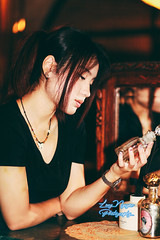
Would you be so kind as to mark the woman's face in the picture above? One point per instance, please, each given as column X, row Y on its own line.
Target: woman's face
column 80, row 90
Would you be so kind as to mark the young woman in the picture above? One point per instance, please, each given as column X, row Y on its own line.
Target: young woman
column 42, row 139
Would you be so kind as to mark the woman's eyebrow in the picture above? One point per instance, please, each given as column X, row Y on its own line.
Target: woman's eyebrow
column 86, row 70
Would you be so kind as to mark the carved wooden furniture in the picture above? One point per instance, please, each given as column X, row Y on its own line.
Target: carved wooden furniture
column 123, row 74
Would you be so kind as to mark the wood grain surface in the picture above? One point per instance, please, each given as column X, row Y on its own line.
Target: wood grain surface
column 103, row 230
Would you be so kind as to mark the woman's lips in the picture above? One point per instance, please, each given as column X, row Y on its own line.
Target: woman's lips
column 78, row 103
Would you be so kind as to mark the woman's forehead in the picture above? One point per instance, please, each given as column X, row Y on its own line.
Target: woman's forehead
column 89, row 65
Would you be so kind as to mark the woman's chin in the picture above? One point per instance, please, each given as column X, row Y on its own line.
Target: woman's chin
column 71, row 111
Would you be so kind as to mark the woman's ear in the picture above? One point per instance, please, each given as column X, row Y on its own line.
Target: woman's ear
column 49, row 65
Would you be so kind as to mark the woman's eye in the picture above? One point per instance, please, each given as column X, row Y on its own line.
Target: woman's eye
column 83, row 78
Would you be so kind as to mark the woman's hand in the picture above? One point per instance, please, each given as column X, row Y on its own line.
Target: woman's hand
column 134, row 164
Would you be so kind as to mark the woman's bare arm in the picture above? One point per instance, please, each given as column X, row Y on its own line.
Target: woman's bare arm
column 78, row 198
column 18, row 213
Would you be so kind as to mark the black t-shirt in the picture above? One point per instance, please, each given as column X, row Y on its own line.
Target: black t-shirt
column 17, row 148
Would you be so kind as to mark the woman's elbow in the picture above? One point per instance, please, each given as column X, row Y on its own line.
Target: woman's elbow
column 16, row 224
column 67, row 213
column 13, row 226
column 70, row 212
column 69, row 217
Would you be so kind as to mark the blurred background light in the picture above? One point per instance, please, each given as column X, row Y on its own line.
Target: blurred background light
column 3, row 12
column 15, row 27
column 153, row 3
column 19, row 26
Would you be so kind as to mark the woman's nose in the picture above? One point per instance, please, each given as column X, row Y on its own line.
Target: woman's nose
column 86, row 90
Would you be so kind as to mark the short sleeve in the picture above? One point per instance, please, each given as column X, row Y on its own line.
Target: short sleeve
column 12, row 144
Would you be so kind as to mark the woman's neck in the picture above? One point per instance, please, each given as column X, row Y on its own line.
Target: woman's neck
column 38, row 107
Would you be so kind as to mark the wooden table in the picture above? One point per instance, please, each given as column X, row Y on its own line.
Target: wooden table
column 54, row 228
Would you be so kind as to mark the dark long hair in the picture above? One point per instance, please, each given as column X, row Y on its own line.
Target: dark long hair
column 74, row 52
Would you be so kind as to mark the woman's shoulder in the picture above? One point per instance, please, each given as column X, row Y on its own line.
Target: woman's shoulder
column 7, row 109
column 13, row 140
column 10, row 116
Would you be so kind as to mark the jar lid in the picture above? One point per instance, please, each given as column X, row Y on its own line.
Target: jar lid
column 136, row 199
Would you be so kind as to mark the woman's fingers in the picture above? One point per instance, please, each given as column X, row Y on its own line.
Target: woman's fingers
column 149, row 148
column 120, row 160
column 142, row 156
column 132, row 159
column 134, row 162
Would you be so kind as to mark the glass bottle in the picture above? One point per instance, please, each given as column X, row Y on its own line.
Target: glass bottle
column 149, row 217
column 134, row 142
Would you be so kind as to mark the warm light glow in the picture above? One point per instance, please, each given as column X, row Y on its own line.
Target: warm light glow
column 3, row 11
column 19, row 26
column 153, row 3
column 15, row 27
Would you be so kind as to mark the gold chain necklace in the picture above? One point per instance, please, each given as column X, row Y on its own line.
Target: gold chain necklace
column 39, row 143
